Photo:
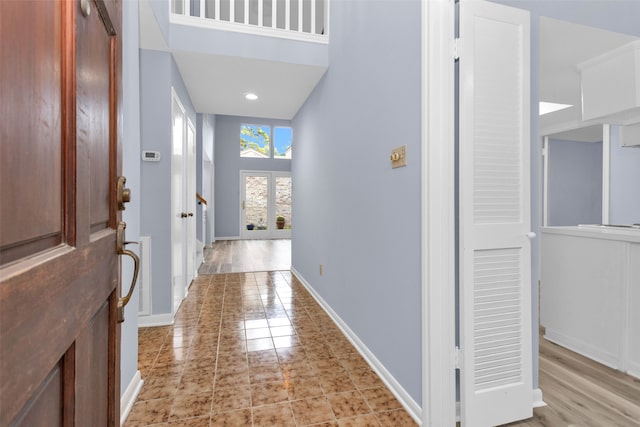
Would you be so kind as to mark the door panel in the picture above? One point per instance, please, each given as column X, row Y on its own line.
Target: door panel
column 495, row 256
column 190, row 202
column 178, row 211
column 58, row 332
column 30, row 213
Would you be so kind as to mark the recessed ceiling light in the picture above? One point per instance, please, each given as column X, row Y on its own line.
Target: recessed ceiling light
column 251, row 96
column 550, row 107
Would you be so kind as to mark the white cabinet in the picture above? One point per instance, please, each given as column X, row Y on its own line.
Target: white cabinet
column 590, row 293
column 611, row 86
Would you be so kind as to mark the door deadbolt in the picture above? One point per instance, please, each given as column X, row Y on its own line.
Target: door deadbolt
column 123, row 195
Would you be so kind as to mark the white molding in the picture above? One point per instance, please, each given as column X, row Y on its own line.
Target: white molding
column 145, row 283
column 237, row 27
column 438, row 214
column 545, row 181
column 537, row 398
column 129, row 396
column 227, row 238
column 579, row 346
column 394, row 386
column 164, row 319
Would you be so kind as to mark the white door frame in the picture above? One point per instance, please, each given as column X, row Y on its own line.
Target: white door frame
column 438, row 214
column 178, row 229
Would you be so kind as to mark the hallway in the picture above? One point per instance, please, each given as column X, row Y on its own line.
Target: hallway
column 255, row 349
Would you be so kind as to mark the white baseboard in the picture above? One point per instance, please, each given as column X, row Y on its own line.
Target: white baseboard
column 537, row 398
column 394, row 386
column 228, row 238
column 598, row 354
column 129, row 396
column 164, row 319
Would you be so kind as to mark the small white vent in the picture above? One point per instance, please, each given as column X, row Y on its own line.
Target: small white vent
column 498, row 318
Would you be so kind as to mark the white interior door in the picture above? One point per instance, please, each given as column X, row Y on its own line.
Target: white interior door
column 178, row 214
column 495, row 254
column 190, row 202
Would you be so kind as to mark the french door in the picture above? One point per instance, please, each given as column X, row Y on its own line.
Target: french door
column 265, row 211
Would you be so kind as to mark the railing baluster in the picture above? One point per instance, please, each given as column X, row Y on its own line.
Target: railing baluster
column 287, row 14
column 260, row 11
column 232, row 11
column 216, row 10
column 202, row 11
column 274, row 14
column 187, row 7
column 313, row 16
column 300, row 15
column 246, row 12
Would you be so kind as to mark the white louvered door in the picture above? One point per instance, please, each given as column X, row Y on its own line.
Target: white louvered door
column 495, row 255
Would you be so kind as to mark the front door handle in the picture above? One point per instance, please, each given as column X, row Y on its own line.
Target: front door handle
column 120, row 250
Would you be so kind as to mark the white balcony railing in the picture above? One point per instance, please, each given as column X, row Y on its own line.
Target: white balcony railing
column 295, row 19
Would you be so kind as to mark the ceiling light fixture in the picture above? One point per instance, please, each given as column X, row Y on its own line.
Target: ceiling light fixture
column 550, row 107
column 251, row 96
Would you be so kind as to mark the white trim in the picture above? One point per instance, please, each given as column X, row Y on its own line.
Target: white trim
column 227, row 238
column 537, row 398
column 438, row 214
column 164, row 319
column 394, row 386
column 194, row 21
column 545, row 181
column 610, row 359
column 606, row 173
column 129, row 396
column 145, row 283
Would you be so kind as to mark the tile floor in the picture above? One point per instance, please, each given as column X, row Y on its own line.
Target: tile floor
column 255, row 349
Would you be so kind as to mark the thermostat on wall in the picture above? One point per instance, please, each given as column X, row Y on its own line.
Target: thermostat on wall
column 151, row 156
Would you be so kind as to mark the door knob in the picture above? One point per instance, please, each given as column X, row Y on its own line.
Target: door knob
column 123, row 195
column 183, row 215
column 120, row 250
column 190, row 213
column 531, row 235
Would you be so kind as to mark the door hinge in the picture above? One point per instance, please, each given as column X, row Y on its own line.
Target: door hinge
column 456, row 48
column 545, row 150
column 457, row 357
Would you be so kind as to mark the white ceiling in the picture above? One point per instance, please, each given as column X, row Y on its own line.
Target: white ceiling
column 563, row 45
column 217, row 84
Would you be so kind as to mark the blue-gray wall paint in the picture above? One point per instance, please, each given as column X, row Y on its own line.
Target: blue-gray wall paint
column 160, row 74
column 575, row 183
column 130, row 169
column 228, row 165
column 354, row 214
column 625, row 182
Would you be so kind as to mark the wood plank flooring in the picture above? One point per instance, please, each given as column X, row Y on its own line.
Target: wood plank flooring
column 578, row 391
column 581, row 392
column 245, row 256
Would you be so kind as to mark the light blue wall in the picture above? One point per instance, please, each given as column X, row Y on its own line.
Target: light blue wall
column 130, row 169
column 575, row 183
column 354, row 214
column 625, row 181
column 160, row 73
column 228, row 165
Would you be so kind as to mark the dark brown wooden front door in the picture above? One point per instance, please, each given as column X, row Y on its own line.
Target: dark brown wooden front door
column 59, row 162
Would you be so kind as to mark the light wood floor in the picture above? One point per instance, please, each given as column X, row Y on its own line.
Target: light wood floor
column 578, row 391
column 245, row 256
column 581, row 392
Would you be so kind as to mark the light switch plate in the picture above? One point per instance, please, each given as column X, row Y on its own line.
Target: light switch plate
column 399, row 157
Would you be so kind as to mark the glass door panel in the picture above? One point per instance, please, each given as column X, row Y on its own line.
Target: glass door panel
column 283, row 202
column 256, row 205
